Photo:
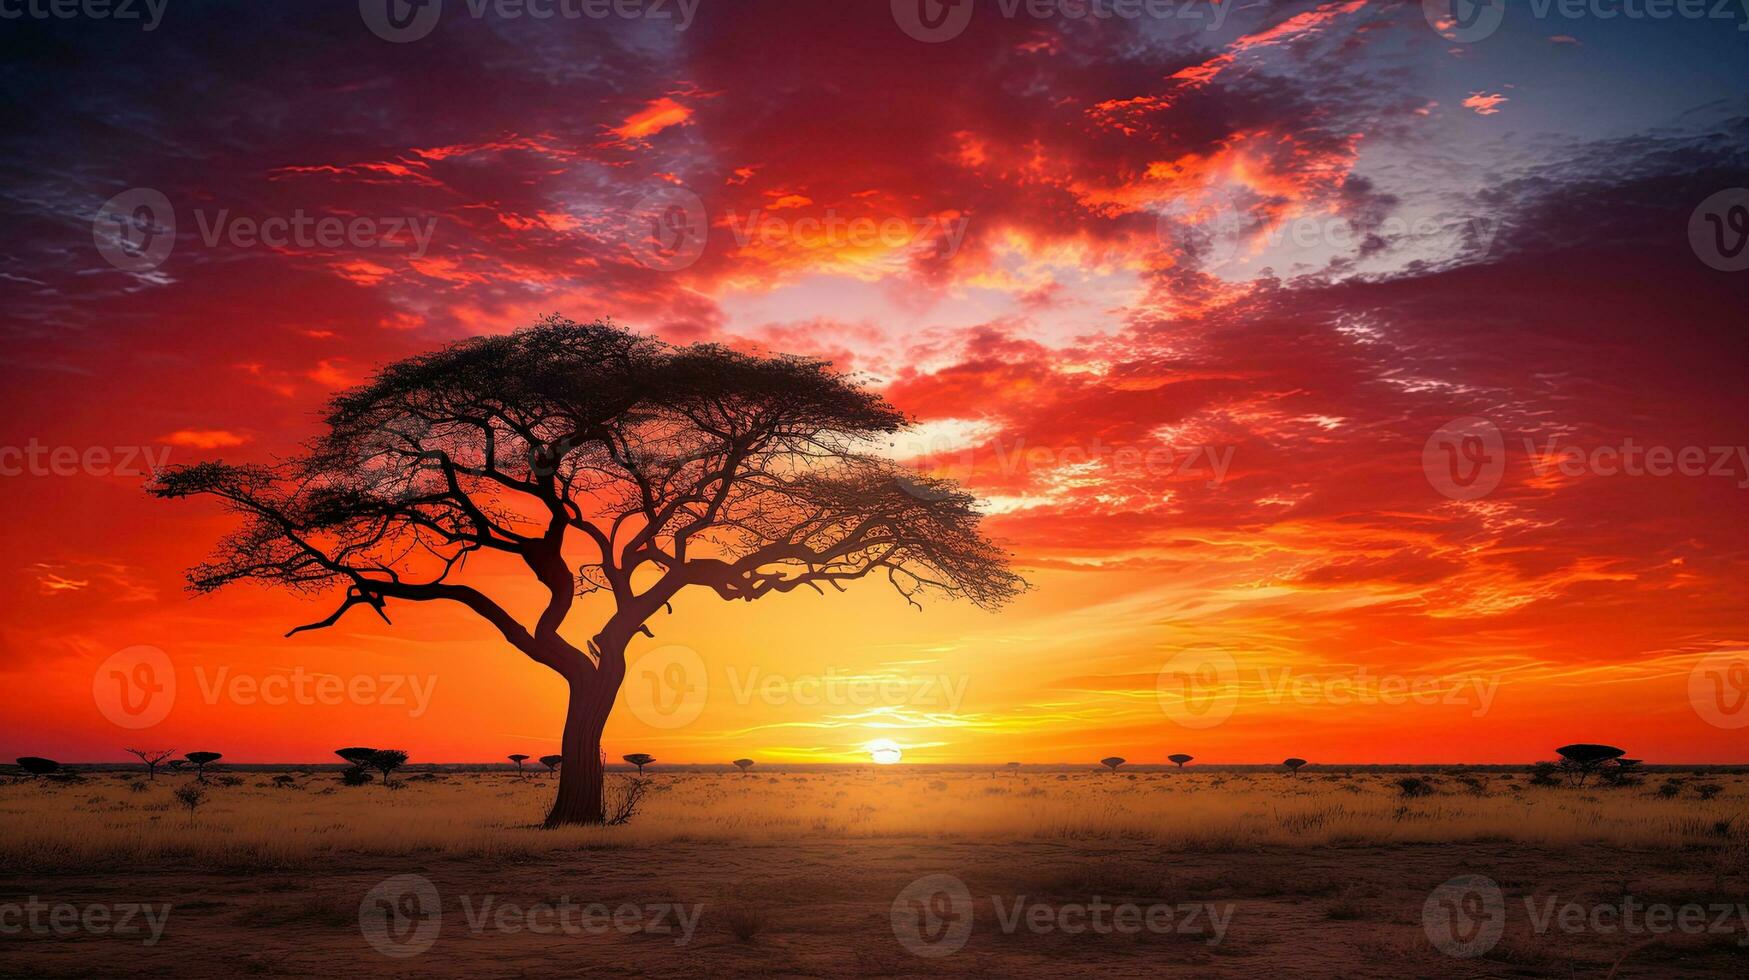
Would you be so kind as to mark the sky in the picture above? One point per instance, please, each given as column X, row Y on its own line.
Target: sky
column 1348, row 382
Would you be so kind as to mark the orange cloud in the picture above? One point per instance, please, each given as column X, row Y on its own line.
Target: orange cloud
column 653, row 118
column 204, row 438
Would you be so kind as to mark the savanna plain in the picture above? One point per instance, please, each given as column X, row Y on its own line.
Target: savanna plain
column 805, row 872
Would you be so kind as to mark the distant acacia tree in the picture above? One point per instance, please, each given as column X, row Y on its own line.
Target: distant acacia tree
column 640, row 760
column 519, row 759
column 602, row 462
column 153, row 758
column 1013, row 768
column 38, row 766
column 358, row 755
column 1583, row 758
column 201, row 760
column 743, row 765
column 1293, row 765
column 552, row 762
column 1111, row 762
column 386, row 761
column 1180, row 759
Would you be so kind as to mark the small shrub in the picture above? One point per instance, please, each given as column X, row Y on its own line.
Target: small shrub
column 1708, row 790
column 620, row 799
column 746, row 921
column 356, row 777
column 191, row 796
column 1414, row 786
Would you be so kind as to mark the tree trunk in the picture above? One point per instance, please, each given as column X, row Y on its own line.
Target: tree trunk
column 580, row 775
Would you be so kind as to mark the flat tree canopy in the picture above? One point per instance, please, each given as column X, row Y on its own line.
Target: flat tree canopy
column 605, row 464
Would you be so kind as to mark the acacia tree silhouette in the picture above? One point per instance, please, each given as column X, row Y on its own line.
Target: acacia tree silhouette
column 606, row 463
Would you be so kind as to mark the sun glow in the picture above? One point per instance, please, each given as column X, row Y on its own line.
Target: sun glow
column 884, row 751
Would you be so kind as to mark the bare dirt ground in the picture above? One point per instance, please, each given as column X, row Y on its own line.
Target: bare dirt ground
column 826, row 908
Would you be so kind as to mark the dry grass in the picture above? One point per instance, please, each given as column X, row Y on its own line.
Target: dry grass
column 101, row 822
